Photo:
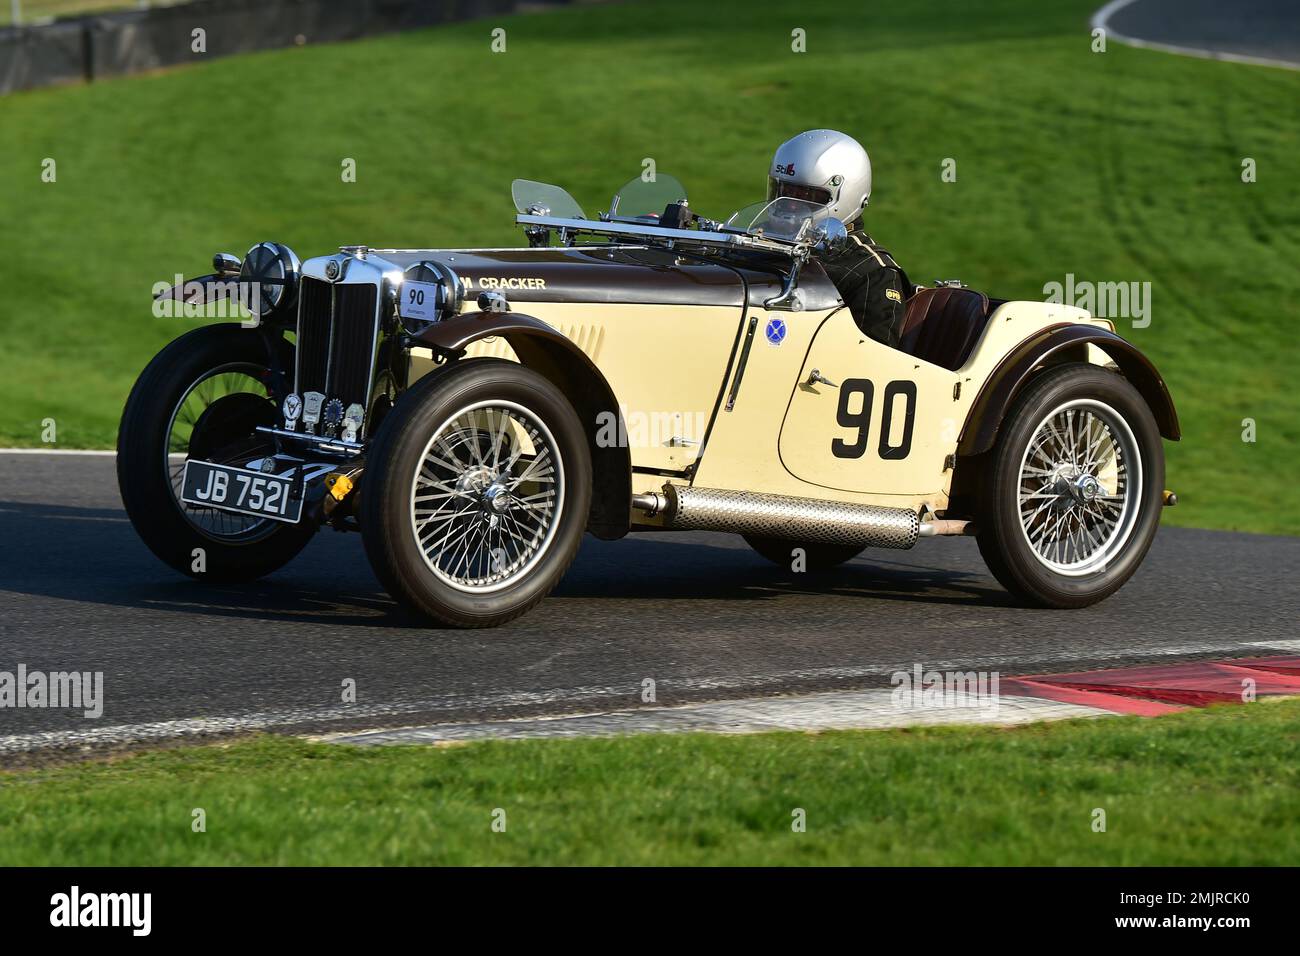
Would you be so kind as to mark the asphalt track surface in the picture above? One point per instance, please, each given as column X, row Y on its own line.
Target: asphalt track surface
column 1265, row 30
column 699, row 613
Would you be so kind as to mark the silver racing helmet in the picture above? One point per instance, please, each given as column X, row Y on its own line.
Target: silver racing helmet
column 825, row 167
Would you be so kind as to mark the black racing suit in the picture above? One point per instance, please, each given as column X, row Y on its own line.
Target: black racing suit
column 872, row 285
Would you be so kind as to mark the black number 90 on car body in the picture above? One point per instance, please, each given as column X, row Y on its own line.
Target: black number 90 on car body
column 861, row 419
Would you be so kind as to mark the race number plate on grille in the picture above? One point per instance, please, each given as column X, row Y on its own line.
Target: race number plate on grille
column 240, row 489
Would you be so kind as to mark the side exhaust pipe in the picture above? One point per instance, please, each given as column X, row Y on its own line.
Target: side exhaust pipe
column 782, row 516
column 940, row 527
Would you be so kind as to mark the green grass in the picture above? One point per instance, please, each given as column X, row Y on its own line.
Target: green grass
column 1123, row 166
column 1206, row 787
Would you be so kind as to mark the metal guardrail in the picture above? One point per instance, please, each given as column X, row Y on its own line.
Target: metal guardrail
column 83, row 49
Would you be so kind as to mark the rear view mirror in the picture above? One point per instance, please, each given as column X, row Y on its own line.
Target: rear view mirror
column 831, row 235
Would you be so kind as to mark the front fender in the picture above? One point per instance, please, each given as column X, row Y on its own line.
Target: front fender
column 201, row 290
column 1019, row 365
column 548, row 351
column 453, row 336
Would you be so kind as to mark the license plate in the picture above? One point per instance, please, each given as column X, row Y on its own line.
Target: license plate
column 240, row 489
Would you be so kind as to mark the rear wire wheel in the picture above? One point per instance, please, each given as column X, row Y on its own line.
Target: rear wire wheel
column 1073, row 499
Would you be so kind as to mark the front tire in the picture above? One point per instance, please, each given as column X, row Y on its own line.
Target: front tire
column 476, row 493
column 1072, row 501
column 202, row 397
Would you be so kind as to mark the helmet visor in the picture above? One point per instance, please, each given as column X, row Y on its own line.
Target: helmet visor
column 777, row 188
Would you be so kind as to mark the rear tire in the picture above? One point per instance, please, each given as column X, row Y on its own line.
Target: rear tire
column 817, row 556
column 476, row 493
column 224, row 549
column 1072, row 500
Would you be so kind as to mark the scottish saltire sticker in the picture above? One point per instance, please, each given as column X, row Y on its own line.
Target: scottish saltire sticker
column 775, row 331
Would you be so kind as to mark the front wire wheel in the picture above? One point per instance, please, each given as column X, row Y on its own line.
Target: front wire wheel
column 476, row 493
column 486, row 498
column 1072, row 496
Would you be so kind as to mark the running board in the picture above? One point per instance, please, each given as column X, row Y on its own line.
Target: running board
column 782, row 516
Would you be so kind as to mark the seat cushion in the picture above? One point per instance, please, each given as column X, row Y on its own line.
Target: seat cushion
column 941, row 326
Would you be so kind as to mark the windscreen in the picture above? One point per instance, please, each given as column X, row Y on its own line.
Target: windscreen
column 543, row 199
column 642, row 199
column 784, row 218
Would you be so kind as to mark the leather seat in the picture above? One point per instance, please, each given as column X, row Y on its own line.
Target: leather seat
column 941, row 326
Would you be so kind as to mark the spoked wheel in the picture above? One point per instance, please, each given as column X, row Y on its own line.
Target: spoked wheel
column 486, row 498
column 1080, row 484
column 476, row 493
column 212, row 421
column 202, row 397
column 1076, row 490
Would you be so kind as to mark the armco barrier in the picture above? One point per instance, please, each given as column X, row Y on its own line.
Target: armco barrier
column 115, row 44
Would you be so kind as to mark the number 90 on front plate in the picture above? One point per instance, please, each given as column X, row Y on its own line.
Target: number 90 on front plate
column 240, row 489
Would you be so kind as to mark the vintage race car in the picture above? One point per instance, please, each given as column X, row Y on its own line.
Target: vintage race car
column 472, row 412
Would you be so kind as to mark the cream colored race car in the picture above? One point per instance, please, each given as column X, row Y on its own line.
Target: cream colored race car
column 472, row 412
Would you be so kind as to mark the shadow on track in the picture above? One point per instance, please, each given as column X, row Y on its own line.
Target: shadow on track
column 91, row 555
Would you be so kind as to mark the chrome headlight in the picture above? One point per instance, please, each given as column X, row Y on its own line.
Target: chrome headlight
column 268, row 280
column 430, row 292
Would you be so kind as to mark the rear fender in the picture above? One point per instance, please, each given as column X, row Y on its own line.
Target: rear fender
column 1049, row 345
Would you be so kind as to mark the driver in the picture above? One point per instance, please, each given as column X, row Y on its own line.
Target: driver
column 833, row 169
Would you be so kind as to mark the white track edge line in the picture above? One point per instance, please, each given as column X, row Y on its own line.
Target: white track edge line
column 614, row 697
column 1102, row 16
column 57, row 451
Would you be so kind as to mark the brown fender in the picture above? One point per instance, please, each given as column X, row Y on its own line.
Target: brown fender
column 544, row 349
column 202, row 290
column 1015, row 370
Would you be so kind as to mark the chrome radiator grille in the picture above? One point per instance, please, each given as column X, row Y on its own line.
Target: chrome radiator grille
column 337, row 324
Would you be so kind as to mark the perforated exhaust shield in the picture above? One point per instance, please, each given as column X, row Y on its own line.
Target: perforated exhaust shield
column 799, row 519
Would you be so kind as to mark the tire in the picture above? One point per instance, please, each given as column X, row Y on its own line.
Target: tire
column 1050, row 535
column 819, row 557
column 234, row 549
column 442, row 518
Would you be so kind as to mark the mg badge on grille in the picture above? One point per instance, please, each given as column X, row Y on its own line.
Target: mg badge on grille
column 332, row 269
column 352, row 420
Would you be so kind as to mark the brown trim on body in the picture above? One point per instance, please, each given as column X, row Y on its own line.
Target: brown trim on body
column 619, row 275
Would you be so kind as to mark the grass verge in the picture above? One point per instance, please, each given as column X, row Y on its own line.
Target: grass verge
column 1218, row 786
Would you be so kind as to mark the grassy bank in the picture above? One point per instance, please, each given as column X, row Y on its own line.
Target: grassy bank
column 1203, row 787
column 1122, row 166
